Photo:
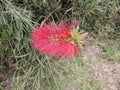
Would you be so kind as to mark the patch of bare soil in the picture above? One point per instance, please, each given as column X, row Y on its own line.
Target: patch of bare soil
column 106, row 72
column 5, row 81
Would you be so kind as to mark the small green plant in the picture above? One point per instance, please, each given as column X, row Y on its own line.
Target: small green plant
column 111, row 50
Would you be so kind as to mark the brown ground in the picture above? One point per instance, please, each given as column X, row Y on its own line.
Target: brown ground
column 5, row 81
column 106, row 72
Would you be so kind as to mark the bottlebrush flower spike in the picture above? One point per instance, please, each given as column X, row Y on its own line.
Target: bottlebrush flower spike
column 58, row 40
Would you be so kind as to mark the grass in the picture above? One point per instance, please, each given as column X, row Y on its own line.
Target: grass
column 111, row 50
column 28, row 69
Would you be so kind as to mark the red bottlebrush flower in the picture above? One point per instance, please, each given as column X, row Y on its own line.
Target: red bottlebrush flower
column 58, row 40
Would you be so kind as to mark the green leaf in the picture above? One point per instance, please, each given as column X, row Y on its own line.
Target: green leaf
column 80, row 45
column 82, row 36
column 74, row 34
column 3, row 31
